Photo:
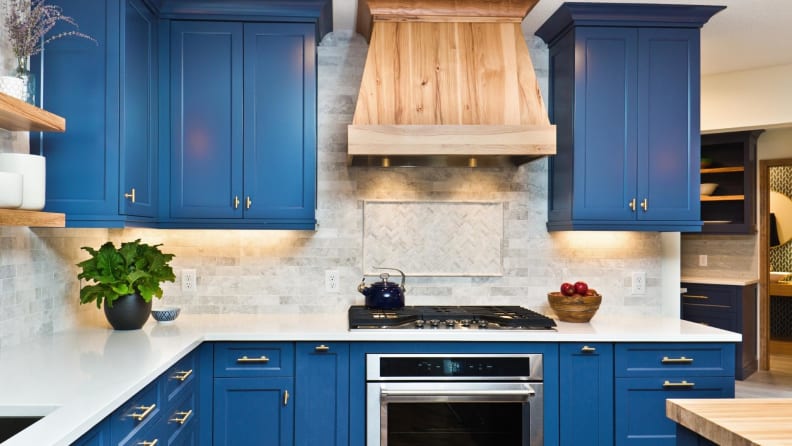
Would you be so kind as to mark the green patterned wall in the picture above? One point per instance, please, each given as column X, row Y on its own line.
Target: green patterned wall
column 781, row 181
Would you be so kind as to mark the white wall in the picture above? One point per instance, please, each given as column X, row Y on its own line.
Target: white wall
column 760, row 98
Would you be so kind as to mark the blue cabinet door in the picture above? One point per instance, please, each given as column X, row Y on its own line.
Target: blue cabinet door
column 206, row 120
column 81, row 84
column 253, row 411
column 640, row 405
column 605, row 141
column 322, row 394
column 668, row 124
column 280, row 121
column 586, row 390
column 138, row 131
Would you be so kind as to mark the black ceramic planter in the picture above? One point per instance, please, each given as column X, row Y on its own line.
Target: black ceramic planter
column 129, row 312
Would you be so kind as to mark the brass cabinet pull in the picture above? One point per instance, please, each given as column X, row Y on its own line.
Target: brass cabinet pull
column 683, row 383
column 184, row 416
column 148, row 443
column 183, row 375
column 260, row 359
column 248, row 202
column 645, row 204
column 695, row 296
column 322, row 348
column 142, row 415
column 131, row 195
column 632, row 204
column 285, row 397
column 680, row 360
column 587, row 349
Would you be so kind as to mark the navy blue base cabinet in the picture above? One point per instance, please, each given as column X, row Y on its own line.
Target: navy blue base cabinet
column 729, row 307
column 586, row 397
column 322, row 394
column 624, row 95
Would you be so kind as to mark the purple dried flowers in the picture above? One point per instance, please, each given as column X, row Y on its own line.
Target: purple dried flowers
column 28, row 22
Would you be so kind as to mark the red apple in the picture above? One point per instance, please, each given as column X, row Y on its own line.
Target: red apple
column 581, row 288
column 567, row 289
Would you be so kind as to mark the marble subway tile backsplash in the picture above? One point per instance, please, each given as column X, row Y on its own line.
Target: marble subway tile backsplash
column 283, row 271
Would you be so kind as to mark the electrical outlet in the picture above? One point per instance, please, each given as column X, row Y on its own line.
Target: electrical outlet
column 189, row 280
column 331, row 281
column 702, row 260
column 639, row 282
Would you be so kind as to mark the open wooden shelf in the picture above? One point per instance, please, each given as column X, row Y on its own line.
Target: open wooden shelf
column 18, row 217
column 16, row 115
column 723, row 169
column 722, row 197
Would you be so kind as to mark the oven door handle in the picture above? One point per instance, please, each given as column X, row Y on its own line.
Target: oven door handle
column 459, row 392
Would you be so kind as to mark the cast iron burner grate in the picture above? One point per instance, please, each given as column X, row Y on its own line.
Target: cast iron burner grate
column 449, row 317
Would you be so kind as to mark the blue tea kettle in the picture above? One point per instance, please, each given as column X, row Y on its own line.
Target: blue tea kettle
column 383, row 295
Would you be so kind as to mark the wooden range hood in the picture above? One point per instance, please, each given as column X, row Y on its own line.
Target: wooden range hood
column 447, row 82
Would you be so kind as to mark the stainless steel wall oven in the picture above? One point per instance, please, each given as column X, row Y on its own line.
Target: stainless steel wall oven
column 454, row 399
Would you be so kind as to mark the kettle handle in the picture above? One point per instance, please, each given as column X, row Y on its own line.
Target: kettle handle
column 400, row 272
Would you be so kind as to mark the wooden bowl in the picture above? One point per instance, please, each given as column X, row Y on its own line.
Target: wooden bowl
column 575, row 308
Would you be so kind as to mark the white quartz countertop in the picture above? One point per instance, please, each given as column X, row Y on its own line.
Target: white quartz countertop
column 76, row 378
column 719, row 280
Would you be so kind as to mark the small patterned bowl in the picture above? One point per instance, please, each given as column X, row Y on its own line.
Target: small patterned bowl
column 165, row 314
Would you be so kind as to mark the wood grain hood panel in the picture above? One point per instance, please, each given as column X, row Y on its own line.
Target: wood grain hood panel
column 451, row 79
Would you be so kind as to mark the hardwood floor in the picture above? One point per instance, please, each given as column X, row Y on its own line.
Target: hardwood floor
column 773, row 383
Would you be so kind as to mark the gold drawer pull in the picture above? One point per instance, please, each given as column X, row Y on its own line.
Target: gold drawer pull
column 131, row 195
column 260, row 359
column 322, row 348
column 142, row 415
column 285, row 397
column 695, row 296
column 148, row 443
column 684, row 384
column 183, row 375
column 184, row 416
column 680, row 360
column 645, row 204
column 587, row 349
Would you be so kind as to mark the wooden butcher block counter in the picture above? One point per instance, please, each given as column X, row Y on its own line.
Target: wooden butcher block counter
column 736, row 422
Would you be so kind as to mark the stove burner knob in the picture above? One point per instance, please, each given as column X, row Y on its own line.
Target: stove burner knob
column 483, row 324
column 465, row 322
column 434, row 322
column 419, row 323
column 450, row 323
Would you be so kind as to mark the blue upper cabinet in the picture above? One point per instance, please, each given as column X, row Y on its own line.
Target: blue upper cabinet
column 624, row 95
column 243, row 125
column 107, row 93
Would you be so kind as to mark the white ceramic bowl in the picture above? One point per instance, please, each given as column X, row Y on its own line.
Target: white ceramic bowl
column 708, row 188
column 165, row 314
column 33, row 171
column 10, row 190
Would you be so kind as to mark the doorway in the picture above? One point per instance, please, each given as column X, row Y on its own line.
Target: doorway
column 775, row 254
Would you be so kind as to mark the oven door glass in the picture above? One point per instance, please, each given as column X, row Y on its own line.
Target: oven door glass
column 459, row 414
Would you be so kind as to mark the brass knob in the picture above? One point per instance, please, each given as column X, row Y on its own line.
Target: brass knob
column 631, row 204
column 587, row 349
column 248, row 202
column 131, row 195
column 236, row 201
column 285, row 397
column 645, row 204
column 322, row 348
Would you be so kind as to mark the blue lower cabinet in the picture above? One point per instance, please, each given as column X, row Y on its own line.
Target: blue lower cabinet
column 586, row 394
column 640, row 405
column 253, row 411
column 322, row 394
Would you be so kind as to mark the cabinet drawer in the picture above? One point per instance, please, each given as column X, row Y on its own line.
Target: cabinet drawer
column 725, row 320
column 180, row 416
column 712, row 296
column 136, row 414
column 237, row 359
column 674, row 359
column 179, row 377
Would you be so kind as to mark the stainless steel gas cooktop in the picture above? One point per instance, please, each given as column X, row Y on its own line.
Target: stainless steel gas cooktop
column 449, row 318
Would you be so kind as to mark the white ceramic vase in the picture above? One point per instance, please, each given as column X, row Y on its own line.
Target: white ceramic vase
column 33, row 171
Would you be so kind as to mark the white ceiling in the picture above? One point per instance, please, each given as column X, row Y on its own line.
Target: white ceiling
column 748, row 34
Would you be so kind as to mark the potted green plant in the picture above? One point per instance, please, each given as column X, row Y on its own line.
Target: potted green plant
column 125, row 280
